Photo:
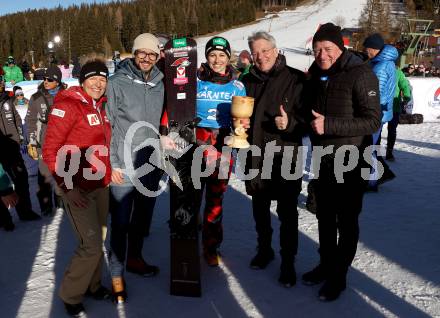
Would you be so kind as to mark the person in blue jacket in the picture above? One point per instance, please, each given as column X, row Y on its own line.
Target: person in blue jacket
column 382, row 59
column 216, row 85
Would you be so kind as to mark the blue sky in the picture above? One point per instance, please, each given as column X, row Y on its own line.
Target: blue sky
column 10, row 6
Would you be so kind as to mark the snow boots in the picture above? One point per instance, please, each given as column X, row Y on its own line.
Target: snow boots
column 315, row 276
column 263, row 258
column 140, row 267
column 287, row 273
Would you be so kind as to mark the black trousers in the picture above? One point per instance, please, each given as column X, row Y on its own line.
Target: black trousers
column 392, row 132
column 338, row 209
column 288, row 215
column 44, row 192
column 19, row 176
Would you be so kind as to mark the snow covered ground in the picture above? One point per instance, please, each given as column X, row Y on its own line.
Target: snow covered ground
column 396, row 272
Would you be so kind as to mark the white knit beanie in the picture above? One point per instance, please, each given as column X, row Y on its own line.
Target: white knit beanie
column 146, row 41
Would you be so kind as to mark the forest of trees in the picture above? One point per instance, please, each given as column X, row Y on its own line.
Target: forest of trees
column 104, row 28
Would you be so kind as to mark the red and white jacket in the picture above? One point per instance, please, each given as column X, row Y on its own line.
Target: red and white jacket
column 77, row 122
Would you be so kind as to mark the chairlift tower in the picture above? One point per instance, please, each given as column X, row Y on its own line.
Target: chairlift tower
column 417, row 29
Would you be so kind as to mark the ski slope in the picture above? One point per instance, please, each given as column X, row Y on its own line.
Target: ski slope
column 396, row 272
column 293, row 28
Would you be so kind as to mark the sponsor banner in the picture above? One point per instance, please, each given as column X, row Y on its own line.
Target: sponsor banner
column 426, row 97
column 30, row 87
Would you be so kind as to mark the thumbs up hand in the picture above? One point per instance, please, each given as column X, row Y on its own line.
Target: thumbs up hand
column 318, row 123
column 282, row 120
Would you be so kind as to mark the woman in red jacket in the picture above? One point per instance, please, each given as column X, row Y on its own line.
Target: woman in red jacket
column 77, row 141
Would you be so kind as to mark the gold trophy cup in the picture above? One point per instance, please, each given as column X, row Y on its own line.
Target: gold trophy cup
column 241, row 108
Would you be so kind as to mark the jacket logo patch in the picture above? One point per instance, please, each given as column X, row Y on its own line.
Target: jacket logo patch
column 372, row 93
column 93, row 119
column 238, row 84
column 58, row 112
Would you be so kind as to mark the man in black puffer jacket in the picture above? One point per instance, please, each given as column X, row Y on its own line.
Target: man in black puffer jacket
column 343, row 97
column 277, row 91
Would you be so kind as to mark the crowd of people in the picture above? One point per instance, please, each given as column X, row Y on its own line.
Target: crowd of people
column 420, row 70
column 344, row 99
column 14, row 72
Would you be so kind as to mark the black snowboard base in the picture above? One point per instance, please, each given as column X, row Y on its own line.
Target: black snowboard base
column 185, row 268
column 184, row 237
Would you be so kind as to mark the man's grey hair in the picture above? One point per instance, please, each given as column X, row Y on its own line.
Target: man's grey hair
column 261, row 35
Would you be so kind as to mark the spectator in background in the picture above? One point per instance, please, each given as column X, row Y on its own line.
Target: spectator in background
column 420, row 71
column 76, row 67
column 244, row 63
column 382, row 59
column 25, row 68
column 431, row 72
column 39, row 71
column 402, row 96
column 40, row 106
column 409, row 70
column 65, row 70
column 11, row 136
column 20, row 102
column 13, row 73
column 116, row 59
column 52, row 60
column 163, row 39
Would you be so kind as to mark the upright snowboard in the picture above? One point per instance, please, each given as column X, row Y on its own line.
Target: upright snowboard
column 181, row 89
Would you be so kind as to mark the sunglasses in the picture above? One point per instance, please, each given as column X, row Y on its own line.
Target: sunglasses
column 48, row 79
column 19, row 95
